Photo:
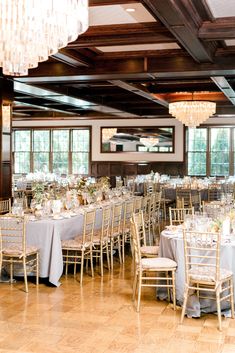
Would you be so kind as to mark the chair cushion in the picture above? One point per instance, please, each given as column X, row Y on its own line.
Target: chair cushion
column 16, row 250
column 149, row 250
column 208, row 274
column 158, row 263
column 75, row 243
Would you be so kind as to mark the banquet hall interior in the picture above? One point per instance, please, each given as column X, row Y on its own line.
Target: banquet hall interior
column 117, row 176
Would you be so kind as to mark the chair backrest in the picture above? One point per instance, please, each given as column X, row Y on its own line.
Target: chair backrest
column 214, row 192
column 5, row 206
column 138, row 204
column 88, row 226
column 128, row 211
column 202, row 254
column 211, row 209
column 116, row 218
column 177, row 215
column 185, row 194
column 106, row 221
column 145, row 204
column 196, row 200
column 136, row 243
column 139, row 221
column 12, row 230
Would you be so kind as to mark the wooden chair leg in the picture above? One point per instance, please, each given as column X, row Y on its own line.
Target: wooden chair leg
column 231, row 298
column 101, row 261
column 37, row 269
column 25, row 275
column 91, row 258
column 218, row 308
column 111, row 253
column 107, row 255
column 82, row 266
column 67, row 263
column 173, row 289
column 139, row 291
column 119, row 248
column 134, row 285
column 184, row 304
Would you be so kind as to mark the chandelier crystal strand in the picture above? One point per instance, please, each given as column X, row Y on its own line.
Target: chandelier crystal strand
column 192, row 113
column 32, row 30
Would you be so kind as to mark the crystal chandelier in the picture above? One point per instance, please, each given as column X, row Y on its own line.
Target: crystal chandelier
column 108, row 133
column 32, row 30
column 149, row 141
column 192, row 113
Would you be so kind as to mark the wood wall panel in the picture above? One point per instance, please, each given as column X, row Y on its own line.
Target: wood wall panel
column 112, row 169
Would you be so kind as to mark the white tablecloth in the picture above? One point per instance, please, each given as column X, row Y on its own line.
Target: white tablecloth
column 47, row 234
column 171, row 246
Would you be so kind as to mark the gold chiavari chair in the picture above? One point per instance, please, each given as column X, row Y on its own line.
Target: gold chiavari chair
column 146, row 250
column 177, row 215
column 196, row 201
column 127, row 214
column 5, row 206
column 15, row 249
column 116, row 232
column 137, row 204
column 186, row 195
column 203, row 274
column 151, row 272
column 101, row 239
column 76, row 250
column 214, row 192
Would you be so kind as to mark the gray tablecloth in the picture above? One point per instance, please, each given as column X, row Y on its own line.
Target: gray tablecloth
column 47, row 234
column 172, row 247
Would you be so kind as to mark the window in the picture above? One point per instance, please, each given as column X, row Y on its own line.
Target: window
column 61, row 151
column 220, row 147
column 41, row 150
column 197, row 147
column 209, row 151
column 80, row 151
column 21, row 148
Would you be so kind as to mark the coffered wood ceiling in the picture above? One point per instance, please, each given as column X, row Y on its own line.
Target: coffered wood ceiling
column 133, row 64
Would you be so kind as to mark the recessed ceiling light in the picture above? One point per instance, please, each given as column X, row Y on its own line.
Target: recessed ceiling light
column 129, row 9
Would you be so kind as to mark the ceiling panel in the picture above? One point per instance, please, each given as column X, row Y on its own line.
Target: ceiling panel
column 222, row 8
column 117, row 14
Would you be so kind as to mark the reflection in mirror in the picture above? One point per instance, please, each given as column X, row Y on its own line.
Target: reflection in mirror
column 138, row 139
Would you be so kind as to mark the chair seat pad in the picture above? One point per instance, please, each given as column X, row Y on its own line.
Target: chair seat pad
column 75, row 243
column 149, row 250
column 16, row 251
column 208, row 274
column 158, row 263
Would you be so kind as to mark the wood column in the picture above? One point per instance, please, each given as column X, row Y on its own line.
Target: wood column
column 6, row 100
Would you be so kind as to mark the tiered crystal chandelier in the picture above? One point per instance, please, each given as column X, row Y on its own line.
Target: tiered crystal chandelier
column 192, row 113
column 108, row 133
column 149, row 141
column 32, row 30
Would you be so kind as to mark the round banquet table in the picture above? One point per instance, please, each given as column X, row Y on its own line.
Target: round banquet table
column 171, row 246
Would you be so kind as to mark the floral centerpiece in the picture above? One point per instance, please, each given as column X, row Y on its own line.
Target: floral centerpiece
column 38, row 192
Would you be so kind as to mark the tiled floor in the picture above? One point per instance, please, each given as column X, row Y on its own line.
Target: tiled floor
column 100, row 317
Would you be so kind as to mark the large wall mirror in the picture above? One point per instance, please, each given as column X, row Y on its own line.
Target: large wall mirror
column 158, row 139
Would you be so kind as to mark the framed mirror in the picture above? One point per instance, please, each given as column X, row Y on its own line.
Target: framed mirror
column 153, row 139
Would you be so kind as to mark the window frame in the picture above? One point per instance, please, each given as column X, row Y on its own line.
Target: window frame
column 209, row 150
column 51, row 129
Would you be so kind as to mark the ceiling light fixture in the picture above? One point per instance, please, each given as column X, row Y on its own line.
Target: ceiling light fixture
column 192, row 113
column 129, row 9
column 32, row 30
column 149, row 141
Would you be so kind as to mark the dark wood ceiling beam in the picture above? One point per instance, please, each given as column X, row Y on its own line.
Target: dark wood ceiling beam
column 140, row 91
column 183, row 21
column 72, row 58
column 218, row 29
column 225, row 87
column 128, row 69
column 132, row 33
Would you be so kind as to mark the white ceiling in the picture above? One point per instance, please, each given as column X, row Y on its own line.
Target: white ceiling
column 117, row 14
column 222, row 8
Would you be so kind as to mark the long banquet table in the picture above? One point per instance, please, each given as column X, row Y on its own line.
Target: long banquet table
column 171, row 246
column 46, row 234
